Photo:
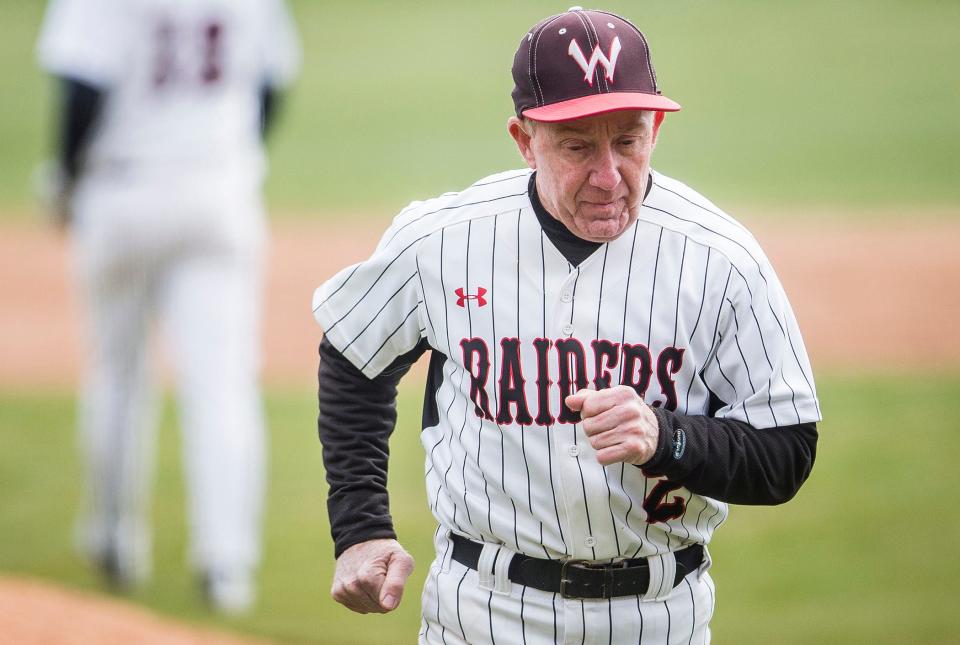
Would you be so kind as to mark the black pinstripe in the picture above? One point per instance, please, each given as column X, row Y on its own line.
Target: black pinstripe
column 337, row 290
column 443, row 563
column 606, row 479
column 493, row 567
column 553, row 604
column 703, row 297
column 653, row 293
column 446, row 310
column 459, row 619
column 623, row 337
column 719, row 214
column 676, row 311
column 609, row 621
column 640, row 612
column 583, row 484
column 523, row 434
column 583, row 624
column 666, row 606
column 676, row 324
column 379, row 311
column 553, row 490
column 370, row 288
column 746, row 365
column 426, row 305
column 387, row 340
column 523, row 622
column 716, row 512
column 455, row 207
column 736, row 393
column 693, row 611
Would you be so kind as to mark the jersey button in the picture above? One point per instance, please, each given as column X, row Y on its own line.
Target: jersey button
column 574, row 450
column 566, row 296
column 567, row 329
column 590, row 541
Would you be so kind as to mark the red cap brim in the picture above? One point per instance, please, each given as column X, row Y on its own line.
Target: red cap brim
column 599, row 104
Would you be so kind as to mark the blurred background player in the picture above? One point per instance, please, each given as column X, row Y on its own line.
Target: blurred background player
column 164, row 107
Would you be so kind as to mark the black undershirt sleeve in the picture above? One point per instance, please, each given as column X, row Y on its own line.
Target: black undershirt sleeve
column 357, row 417
column 81, row 104
column 271, row 100
column 731, row 461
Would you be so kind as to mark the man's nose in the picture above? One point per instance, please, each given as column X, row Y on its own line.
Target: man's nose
column 605, row 173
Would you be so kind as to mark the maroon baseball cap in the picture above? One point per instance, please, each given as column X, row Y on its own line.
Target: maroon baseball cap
column 581, row 63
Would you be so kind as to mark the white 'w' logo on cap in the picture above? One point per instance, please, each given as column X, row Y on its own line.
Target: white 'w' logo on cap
column 588, row 67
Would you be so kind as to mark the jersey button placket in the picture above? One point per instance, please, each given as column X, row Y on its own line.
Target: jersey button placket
column 564, row 308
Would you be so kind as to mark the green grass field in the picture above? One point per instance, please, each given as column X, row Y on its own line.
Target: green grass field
column 850, row 101
column 864, row 554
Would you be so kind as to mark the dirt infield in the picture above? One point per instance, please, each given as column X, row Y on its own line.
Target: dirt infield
column 881, row 298
column 37, row 613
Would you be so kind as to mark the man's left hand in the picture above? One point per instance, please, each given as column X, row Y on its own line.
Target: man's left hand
column 619, row 425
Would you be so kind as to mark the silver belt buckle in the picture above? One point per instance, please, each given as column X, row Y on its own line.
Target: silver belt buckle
column 564, row 580
column 606, row 587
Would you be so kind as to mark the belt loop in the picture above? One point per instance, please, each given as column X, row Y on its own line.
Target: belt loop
column 493, row 567
column 705, row 564
column 663, row 571
column 446, row 542
column 501, row 572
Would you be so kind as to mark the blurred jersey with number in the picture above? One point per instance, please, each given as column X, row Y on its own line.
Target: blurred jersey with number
column 183, row 76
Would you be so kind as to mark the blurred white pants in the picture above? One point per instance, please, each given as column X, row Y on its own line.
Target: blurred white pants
column 185, row 253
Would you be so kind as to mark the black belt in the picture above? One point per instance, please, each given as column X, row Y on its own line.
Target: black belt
column 580, row 578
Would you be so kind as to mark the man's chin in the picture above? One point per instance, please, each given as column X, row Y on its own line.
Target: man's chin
column 603, row 229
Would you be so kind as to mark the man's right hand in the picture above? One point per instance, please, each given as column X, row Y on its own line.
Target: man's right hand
column 370, row 576
column 54, row 189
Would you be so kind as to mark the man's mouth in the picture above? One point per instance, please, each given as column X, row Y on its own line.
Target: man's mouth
column 602, row 205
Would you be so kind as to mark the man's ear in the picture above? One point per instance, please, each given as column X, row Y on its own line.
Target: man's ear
column 523, row 140
column 657, row 121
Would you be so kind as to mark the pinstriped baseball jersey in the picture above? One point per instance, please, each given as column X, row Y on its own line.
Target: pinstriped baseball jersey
column 683, row 306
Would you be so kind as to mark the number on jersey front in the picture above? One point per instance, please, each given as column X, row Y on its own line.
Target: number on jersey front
column 656, row 506
column 201, row 62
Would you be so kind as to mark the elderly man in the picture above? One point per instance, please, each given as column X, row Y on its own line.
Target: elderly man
column 613, row 361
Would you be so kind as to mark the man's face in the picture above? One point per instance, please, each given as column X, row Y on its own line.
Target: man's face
column 591, row 172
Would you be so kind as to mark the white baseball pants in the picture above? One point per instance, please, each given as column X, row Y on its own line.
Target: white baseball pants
column 187, row 255
column 459, row 608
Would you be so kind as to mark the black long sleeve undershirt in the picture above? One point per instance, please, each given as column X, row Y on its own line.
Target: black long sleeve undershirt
column 81, row 105
column 271, row 101
column 357, row 417
column 732, row 461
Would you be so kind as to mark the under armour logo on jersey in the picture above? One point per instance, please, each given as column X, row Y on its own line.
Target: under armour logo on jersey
column 478, row 296
column 588, row 67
